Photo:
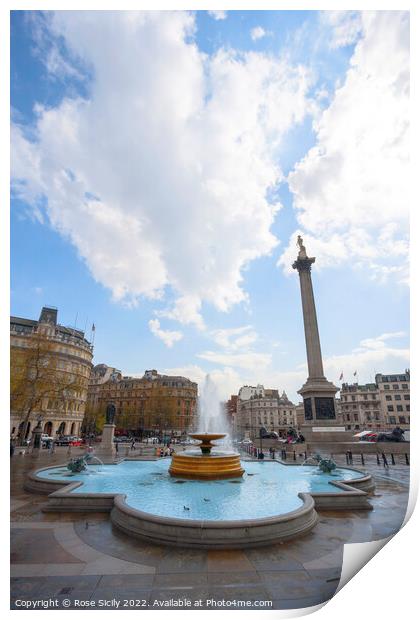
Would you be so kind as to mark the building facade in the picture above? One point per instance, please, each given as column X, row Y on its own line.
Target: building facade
column 154, row 404
column 50, row 366
column 394, row 396
column 259, row 407
column 360, row 407
column 382, row 405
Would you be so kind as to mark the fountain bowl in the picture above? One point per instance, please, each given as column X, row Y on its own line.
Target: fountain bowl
column 203, row 465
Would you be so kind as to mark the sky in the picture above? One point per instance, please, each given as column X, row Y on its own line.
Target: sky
column 164, row 163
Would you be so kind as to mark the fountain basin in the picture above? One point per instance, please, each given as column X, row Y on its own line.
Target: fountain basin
column 273, row 502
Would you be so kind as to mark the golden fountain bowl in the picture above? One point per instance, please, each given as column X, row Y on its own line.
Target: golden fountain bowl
column 206, row 466
column 207, row 437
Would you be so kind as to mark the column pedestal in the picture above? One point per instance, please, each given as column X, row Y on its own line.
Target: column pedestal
column 106, row 449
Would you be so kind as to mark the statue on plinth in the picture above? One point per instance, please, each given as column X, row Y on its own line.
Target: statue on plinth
column 302, row 249
column 110, row 413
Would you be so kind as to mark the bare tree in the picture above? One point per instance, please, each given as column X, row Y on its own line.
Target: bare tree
column 39, row 372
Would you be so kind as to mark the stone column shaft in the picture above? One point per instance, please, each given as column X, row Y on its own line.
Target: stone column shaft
column 313, row 346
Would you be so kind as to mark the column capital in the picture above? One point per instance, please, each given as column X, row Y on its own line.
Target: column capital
column 303, row 263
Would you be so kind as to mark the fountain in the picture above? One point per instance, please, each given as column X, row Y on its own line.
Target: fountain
column 204, row 465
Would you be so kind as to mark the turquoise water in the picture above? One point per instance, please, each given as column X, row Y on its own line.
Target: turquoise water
column 266, row 489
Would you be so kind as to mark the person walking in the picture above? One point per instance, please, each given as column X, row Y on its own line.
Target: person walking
column 133, row 444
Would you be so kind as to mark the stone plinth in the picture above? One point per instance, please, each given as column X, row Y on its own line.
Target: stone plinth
column 106, row 449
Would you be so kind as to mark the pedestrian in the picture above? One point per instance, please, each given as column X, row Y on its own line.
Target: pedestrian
column 52, row 447
column 12, row 449
column 116, row 447
column 133, row 444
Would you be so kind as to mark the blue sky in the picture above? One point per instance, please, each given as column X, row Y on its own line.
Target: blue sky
column 163, row 165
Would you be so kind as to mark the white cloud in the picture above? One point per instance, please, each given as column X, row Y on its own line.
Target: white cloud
column 167, row 336
column 351, row 190
column 249, row 360
column 217, row 15
column 346, row 26
column 371, row 356
column 235, row 338
column 258, row 33
column 186, row 310
column 160, row 177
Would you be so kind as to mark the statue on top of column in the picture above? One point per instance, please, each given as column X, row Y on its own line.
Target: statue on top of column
column 302, row 249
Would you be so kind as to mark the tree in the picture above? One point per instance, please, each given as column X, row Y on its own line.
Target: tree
column 39, row 373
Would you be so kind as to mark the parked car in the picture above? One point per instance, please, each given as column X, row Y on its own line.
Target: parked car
column 46, row 440
column 68, row 440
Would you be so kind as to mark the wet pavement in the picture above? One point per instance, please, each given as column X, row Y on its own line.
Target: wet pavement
column 79, row 560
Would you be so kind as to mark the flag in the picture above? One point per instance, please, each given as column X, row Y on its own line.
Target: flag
column 341, row 377
column 93, row 327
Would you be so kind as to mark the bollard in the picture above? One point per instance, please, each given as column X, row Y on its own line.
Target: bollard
column 407, row 462
column 392, row 459
column 350, row 457
column 377, row 459
column 363, row 460
column 285, row 455
column 306, row 456
column 294, row 455
column 347, row 458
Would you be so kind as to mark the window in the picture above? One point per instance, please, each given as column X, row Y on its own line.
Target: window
column 353, row 398
column 365, row 396
column 386, row 387
column 407, row 407
column 354, row 406
column 401, row 419
column 395, row 386
column 388, row 397
column 397, row 396
column 399, row 407
column 392, row 419
column 390, row 408
column 406, row 396
column 404, row 386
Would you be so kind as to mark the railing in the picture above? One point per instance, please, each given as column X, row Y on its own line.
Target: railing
column 350, row 457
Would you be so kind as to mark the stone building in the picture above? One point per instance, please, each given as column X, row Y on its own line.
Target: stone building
column 382, row 405
column 394, row 396
column 360, row 407
column 49, row 373
column 257, row 407
column 154, row 404
column 231, row 406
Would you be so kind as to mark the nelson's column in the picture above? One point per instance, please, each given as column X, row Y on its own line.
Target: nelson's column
column 318, row 394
